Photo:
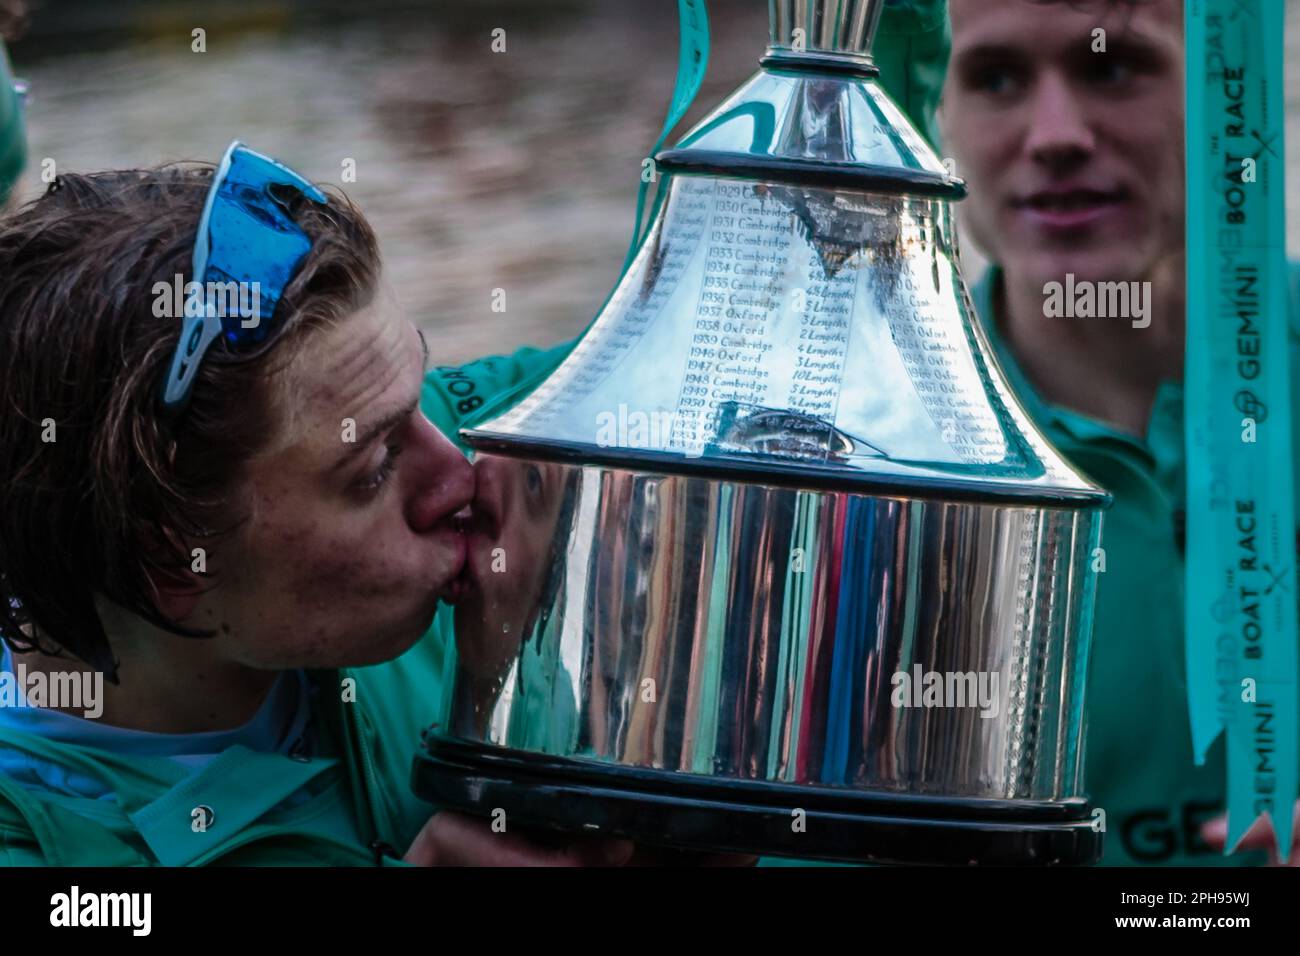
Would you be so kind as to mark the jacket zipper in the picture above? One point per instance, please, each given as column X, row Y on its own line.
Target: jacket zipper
column 355, row 721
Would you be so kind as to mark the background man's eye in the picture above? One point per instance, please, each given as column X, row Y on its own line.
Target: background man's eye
column 1110, row 71
column 996, row 81
column 533, row 477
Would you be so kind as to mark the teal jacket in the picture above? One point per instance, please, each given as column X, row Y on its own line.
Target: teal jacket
column 1138, row 763
column 13, row 142
column 368, row 720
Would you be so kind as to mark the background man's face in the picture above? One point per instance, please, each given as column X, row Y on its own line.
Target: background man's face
column 1074, row 157
column 516, row 510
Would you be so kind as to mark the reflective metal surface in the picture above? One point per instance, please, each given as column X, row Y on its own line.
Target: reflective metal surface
column 745, row 631
column 805, row 118
column 809, row 333
column 778, row 518
column 840, row 26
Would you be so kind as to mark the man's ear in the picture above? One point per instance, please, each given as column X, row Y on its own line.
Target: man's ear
column 176, row 593
column 177, row 588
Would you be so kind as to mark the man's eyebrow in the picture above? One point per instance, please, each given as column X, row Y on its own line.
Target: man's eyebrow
column 375, row 430
column 1134, row 44
column 989, row 51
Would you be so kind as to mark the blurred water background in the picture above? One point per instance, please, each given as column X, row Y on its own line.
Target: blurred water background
column 478, row 170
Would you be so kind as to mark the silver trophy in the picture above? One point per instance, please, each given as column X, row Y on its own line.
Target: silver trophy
column 775, row 561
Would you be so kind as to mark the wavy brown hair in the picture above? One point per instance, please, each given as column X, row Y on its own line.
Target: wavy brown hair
column 122, row 493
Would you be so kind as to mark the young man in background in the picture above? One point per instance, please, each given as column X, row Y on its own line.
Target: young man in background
column 1073, row 152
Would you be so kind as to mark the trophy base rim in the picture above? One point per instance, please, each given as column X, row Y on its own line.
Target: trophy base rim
column 693, row 811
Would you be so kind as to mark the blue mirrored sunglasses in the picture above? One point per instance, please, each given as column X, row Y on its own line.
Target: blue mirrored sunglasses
column 246, row 252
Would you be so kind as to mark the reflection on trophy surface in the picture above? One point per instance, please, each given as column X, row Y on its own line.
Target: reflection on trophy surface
column 777, row 537
column 513, row 549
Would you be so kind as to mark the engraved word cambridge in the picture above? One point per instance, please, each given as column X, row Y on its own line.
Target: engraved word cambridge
column 1100, row 300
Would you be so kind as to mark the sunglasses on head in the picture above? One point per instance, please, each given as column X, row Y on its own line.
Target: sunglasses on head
column 246, row 252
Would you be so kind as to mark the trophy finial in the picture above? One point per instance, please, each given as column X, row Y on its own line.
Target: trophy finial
column 825, row 27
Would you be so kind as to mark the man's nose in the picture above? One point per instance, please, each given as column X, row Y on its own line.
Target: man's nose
column 442, row 478
column 1059, row 134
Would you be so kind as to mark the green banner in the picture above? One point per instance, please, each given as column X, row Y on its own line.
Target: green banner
column 692, row 63
column 1241, row 601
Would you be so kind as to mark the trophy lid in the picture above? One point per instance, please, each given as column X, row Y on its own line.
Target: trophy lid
column 795, row 313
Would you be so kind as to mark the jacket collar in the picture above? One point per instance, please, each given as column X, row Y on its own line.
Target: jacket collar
column 1162, row 449
column 157, row 798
